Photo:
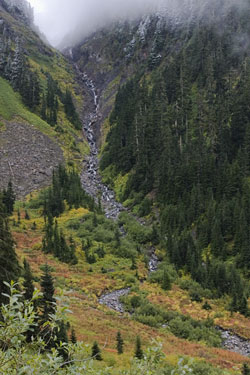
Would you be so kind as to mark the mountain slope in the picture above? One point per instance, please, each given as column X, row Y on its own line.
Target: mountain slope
column 177, row 95
column 179, row 134
column 41, row 78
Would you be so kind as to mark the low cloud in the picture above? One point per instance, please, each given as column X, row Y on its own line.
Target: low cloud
column 58, row 18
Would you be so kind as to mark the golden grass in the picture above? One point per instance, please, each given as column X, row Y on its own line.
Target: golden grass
column 93, row 321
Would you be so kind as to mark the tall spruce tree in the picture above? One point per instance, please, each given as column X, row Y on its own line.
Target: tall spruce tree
column 47, row 302
column 9, row 267
column 96, row 352
column 119, row 343
column 9, row 198
column 73, row 338
column 28, row 281
column 138, row 349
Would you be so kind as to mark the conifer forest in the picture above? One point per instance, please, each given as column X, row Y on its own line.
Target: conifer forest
column 125, row 188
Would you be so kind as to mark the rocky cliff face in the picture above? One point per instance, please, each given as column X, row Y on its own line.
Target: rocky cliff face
column 20, row 9
column 27, row 157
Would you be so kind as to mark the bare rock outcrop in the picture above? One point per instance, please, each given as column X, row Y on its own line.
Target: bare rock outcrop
column 27, row 157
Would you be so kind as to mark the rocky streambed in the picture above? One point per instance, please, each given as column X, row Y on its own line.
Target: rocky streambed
column 90, row 177
column 112, row 300
column 234, row 342
column 92, row 183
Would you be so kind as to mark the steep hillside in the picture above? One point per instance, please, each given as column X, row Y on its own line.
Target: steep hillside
column 166, row 97
column 178, row 141
column 39, row 110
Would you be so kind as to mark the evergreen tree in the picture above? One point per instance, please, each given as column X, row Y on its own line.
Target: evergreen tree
column 18, row 217
column 166, row 283
column 245, row 369
column 28, row 281
column 96, row 352
column 27, row 216
column 44, row 109
column 133, row 265
column 47, row 302
column 9, row 198
column 119, row 343
column 48, row 245
column 62, row 337
column 138, row 349
column 70, row 110
column 9, row 267
column 73, row 336
column 117, row 238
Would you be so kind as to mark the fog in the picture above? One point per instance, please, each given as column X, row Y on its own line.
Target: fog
column 58, row 18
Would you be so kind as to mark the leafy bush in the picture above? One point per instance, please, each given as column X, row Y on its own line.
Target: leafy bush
column 195, row 290
column 19, row 315
column 180, row 325
column 157, row 276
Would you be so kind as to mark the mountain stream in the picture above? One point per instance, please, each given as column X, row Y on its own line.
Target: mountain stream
column 92, row 184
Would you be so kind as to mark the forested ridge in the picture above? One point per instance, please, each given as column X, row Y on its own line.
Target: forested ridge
column 180, row 130
column 160, row 286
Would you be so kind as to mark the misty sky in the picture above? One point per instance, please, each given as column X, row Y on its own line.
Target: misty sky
column 56, row 18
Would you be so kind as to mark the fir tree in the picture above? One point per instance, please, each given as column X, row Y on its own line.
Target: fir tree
column 245, row 369
column 119, row 343
column 73, row 338
column 48, row 245
column 62, row 337
column 47, row 302
column 133, row 264
column 96, row 352
column 18, row 217
column 166, row 282
column 44, row 109
column 9, row 198
column 28, row 281
column 9, row 267
column 27, row 216
column 138, row 349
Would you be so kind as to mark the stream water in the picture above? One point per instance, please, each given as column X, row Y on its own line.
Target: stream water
column 92, row 184
column 90, row 177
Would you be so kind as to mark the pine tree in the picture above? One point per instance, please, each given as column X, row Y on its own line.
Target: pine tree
column 44, row 109
column 9, row 267
column 28, row 281
column 166, row 282
column 117, row 238
column 138, row 349
column 18, row 217
column 47, row 302
column 56, row 241
column 62, row 337
column 96, row 352
column 48, row 245
column 9, row 198
column 133, row 264
column 119, row 343
column 245, row 369
column 27, row 216
column 73, row 336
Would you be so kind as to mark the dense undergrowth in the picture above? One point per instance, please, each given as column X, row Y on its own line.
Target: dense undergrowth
column 108, row 261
